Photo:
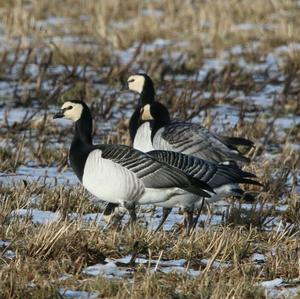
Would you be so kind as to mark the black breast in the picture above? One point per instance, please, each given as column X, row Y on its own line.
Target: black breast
column 78, row 156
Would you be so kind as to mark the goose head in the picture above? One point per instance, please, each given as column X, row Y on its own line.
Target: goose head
column 78, row 112
column 71, row 110
column 136, row 82
column 142, row 84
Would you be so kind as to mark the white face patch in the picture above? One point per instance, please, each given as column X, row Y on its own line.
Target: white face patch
column 146, row 114
column 72, row 110
column 136, row 83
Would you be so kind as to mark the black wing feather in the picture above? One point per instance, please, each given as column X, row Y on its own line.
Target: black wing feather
column 214, row 174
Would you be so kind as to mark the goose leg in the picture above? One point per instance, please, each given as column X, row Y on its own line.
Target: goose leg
column 132, row 214
column 188, row 220
column 166, row 212
column 131, row 209
column 109, row 211
column 112, row 215
column 187, row 214
column 110, row 208
column 195, row 221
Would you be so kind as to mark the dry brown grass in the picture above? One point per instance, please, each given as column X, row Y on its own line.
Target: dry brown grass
column 42, row 68
column 116, row 25
column 47, row 251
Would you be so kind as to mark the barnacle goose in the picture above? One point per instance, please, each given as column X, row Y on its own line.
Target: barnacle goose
column 223, row 178
column 120, row 174
column 151, row 128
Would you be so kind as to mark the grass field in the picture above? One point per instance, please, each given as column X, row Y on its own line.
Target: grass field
column 231, row 65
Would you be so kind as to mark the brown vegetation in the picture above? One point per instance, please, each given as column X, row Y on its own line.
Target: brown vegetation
column 57, row 50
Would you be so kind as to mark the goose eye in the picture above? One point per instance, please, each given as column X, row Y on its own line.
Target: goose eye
column 68, row 108
column 130, row 81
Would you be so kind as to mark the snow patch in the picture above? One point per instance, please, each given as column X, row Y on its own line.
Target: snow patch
column 79, row 294
column 109, row 270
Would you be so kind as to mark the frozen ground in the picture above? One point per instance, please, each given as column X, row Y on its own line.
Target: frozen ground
column 259, row 104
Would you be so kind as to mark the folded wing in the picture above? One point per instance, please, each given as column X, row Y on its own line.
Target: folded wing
column 154, row 174
column 193, row 139
column 212, row 173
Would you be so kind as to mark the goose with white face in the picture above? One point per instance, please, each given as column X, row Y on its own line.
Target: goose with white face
column 70, row 110
column 136, row 83
column 117, row 173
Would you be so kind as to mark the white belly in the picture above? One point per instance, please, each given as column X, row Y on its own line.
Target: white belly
column 222, row 192
column 155, row 196
column 189, row 200
column 109, row 181
column 186, row 200
column 142, row 139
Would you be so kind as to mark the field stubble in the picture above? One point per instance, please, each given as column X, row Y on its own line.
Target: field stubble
column 212, row 63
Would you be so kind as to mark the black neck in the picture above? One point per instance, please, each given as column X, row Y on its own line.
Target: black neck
column 134, row 122
column 147, row 96
column 161, row 118
column 83, row 129
column 82, row 142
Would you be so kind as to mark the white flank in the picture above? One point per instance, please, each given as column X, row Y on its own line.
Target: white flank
column 153, row 196
column 185, row 200
column 189, row 200
column 142, row 139
column 110, row 181
column 222, row 192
